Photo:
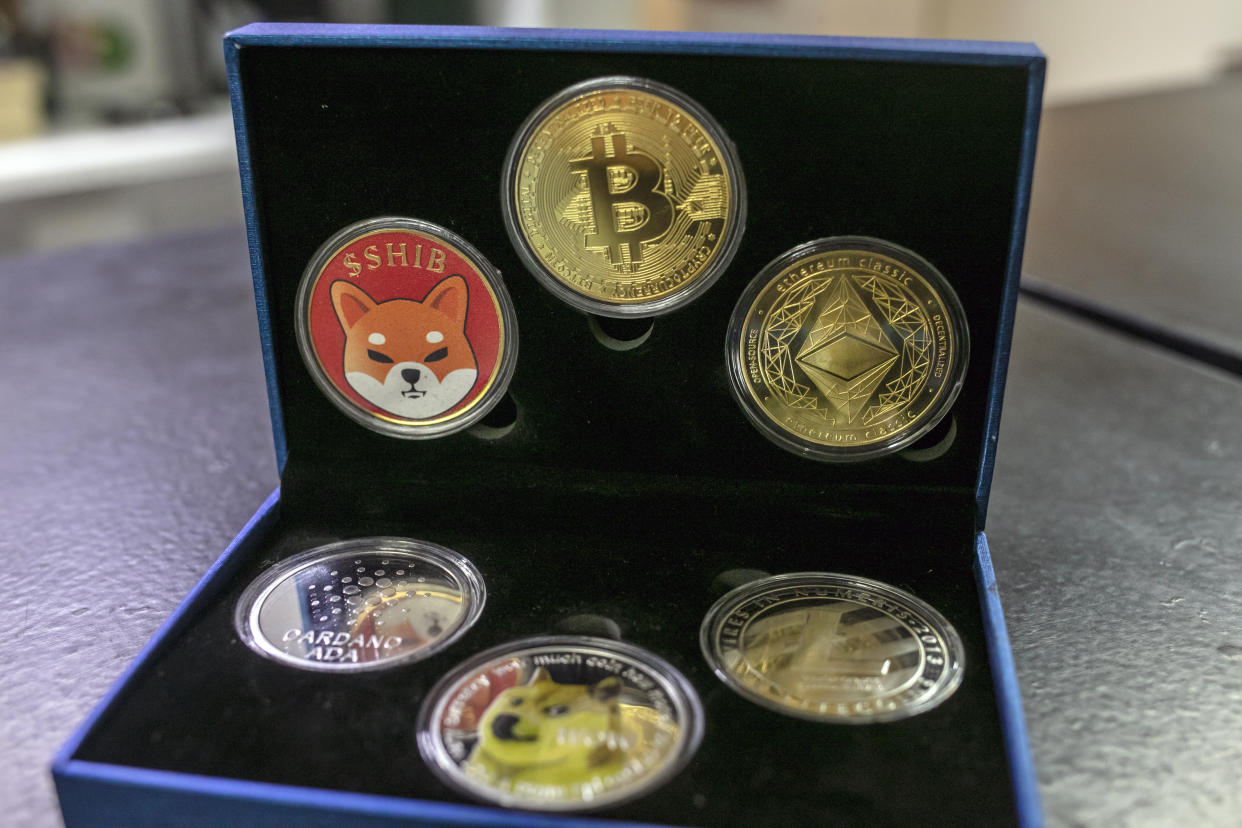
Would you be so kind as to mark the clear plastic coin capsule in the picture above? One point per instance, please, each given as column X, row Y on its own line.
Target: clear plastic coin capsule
column 406, row 328
column 830, row 647
column 560, row 723
column 847, row 348
column 623, row 196
column 360, row 604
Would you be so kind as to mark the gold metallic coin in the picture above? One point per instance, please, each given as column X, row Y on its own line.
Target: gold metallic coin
column 560, row 723
column 623, row 197
column 832, row 647
column 847, row 348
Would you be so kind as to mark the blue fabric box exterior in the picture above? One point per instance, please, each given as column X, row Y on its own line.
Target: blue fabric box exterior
column 94, row 792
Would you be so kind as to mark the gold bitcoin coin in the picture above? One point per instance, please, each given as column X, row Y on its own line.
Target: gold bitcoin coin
column 832, row 647
column 847, row 349
column 623, row 197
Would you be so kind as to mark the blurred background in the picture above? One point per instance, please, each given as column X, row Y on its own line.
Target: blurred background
column 114, row 118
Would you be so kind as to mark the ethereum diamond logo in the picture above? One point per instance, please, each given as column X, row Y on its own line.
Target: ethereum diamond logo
column 846, row 354
column 845, row 357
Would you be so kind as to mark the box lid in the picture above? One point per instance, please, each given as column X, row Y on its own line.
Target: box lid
column 926, row 144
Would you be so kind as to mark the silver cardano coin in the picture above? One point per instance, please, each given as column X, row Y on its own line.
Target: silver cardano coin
column 360, row 604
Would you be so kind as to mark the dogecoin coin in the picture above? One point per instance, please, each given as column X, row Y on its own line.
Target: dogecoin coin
column 623, row 197
column 560, row 723
column 832, row 647
column 847, row 348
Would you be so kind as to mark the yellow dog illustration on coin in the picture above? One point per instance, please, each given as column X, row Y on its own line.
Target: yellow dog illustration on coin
column 546, row 733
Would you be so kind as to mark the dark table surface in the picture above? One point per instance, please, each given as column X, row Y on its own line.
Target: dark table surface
column 1136, row 211
column 135, row 442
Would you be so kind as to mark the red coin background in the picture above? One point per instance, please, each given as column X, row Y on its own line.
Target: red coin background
column 394, row 281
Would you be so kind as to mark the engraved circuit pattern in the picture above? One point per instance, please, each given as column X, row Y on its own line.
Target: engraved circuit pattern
column 775, row 353
column 618, row 208
column 849, row 350
column 909, row 320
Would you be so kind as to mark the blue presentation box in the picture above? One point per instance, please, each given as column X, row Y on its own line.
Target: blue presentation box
column 630, row 478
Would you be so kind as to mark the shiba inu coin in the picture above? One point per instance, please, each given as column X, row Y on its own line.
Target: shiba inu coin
column 832, row 647
column 623, row 196
column 360, row 605
column 847, row 348
column 406, row 328
column 560, row 723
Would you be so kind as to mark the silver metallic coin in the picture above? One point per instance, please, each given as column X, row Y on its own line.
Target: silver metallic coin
column 360, row 605
column 832, row 647
column 560, row 723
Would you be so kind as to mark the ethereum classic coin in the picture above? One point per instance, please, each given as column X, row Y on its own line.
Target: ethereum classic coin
column 832, row 647
column 623, row 197
column 847, row 348
column 560, row 723
column 360, row 604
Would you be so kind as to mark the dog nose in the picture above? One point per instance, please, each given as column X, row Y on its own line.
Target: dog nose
column 502, row 726
column 410, row 375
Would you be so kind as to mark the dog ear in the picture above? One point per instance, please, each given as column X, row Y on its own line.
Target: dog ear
column 606, row 689
column 351, row 303
column 541, row 674
column 450, row 296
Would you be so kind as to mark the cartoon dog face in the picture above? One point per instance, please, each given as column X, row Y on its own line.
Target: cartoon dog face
column 411, row 359
column 550, row 732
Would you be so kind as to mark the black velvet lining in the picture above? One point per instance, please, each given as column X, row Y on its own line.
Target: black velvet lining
column 922, row 155
column 208, row 705
column 630, row 479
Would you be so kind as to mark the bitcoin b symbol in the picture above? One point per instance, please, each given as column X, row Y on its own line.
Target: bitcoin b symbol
column 627, row 208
